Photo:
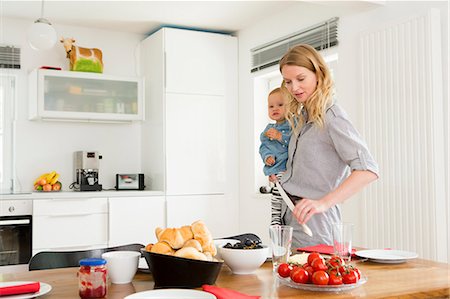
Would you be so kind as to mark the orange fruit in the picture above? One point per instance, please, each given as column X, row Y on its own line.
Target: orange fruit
column 42, row 182
column 47, row 187
column 56, row 187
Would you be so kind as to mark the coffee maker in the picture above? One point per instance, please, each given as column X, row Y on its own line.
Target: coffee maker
column 86, row 171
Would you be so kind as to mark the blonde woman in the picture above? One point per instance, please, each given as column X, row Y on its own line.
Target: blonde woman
column 328, row 161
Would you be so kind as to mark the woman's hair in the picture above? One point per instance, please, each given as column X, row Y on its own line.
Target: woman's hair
column 307, row 57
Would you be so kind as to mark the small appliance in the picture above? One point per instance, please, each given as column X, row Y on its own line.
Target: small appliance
column 86, row 171
column 134, row 181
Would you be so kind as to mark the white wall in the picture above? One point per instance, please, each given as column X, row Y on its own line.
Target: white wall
column 293, row 20
column 45, row 146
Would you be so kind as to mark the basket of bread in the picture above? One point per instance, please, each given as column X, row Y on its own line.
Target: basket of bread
column 183, row 257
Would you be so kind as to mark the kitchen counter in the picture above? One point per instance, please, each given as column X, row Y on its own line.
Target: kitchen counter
column 414, row 279
column 78, row 194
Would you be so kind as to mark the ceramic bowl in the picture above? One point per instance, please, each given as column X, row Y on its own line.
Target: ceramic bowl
column 244, row 261
column 176, row 272
column 121, row 265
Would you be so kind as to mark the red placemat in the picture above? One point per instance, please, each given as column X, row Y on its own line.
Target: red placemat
column 321, row 248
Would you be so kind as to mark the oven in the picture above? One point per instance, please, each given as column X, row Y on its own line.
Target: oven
column 15, row 234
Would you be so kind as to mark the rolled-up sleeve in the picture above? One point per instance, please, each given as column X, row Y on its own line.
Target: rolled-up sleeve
column 350, row 146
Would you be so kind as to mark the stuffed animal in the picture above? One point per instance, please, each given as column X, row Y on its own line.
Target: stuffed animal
column 83, row 59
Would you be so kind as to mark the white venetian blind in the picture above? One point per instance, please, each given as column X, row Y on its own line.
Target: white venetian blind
column 320, row 36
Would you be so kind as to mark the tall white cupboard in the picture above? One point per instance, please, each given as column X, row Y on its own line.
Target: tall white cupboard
column 189, row 137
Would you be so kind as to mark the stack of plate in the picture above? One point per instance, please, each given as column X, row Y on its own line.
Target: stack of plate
column 386, row 256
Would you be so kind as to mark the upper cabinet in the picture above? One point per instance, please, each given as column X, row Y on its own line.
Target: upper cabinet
column 62, row 95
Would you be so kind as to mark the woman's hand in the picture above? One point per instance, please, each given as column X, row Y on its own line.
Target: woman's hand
column 273, row 133
column 305, row 208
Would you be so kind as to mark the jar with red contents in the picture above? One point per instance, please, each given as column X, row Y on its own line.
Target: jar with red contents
column 92, row 278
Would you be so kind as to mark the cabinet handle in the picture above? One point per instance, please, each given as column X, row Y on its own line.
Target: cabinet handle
column 14, row 222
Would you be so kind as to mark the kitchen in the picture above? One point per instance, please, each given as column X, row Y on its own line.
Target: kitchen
column 36, row 141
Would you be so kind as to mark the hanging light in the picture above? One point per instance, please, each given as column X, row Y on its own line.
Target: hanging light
column 41, row 35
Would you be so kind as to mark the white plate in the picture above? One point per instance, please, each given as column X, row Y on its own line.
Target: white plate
column 172, row 294
column 44, row 289
column 325, row 288
column 386, row 256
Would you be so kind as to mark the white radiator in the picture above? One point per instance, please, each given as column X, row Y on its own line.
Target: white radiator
column 403, row 125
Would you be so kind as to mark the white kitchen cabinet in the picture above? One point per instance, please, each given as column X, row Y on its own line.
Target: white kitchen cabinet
column 63, row 95
column 134, row 219
column 217, row 211
column 70, row 224
column 191, row 111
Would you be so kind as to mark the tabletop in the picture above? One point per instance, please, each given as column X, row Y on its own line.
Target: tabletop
column 416, row 278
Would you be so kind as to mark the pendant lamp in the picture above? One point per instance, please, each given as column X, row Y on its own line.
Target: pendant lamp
column 41, row 35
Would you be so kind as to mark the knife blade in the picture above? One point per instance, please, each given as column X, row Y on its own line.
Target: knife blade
column 291, row 206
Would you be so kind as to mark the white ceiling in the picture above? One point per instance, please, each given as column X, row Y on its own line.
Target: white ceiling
column 147, row 16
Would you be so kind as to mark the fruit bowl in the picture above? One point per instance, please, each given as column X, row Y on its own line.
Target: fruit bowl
column 175, row 272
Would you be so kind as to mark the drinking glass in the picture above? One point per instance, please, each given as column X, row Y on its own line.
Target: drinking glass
column 342, row 240
column 281, row 239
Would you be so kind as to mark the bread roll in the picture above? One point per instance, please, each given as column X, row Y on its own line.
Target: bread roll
column 149, row 247
column 162, row 248
column 202, row 234
column 190, row 253
column 193, row 243
column 173, row 237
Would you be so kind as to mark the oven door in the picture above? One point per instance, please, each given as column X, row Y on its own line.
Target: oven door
column 15, row 240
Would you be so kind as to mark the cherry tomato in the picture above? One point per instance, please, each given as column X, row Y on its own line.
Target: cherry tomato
column 335, row 278
column 312, row 256
column 320, row 278
column 319, row 264
column 358, row 273
column 300, row 275
column 336, row 261
column 309, row 269
column 349, row 276
column 284, row 270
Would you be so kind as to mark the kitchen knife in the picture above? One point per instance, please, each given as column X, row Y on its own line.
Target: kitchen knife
column 291, row 206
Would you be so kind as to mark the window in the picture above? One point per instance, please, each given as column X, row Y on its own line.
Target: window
column 266, row 81
column 7, row 119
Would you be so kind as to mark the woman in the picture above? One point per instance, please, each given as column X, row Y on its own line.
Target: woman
column 323, row 149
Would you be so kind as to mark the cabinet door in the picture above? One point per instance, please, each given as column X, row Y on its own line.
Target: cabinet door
column 195, row 144
column 217, row 211
column 134, row 219
column 195, row 61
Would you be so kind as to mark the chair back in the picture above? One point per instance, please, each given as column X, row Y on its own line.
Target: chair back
column 64, row 259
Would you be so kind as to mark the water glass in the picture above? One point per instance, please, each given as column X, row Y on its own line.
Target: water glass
column 342, row 240
column 281, row 240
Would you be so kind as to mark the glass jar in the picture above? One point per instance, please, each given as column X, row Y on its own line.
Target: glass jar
column 92, row 278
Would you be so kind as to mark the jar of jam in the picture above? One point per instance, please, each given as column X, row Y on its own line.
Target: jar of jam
column 92, row 278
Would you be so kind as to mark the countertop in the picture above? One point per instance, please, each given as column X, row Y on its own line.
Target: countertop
column 79, row 194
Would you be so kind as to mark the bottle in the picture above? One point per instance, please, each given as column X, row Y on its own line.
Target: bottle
column 92, row 278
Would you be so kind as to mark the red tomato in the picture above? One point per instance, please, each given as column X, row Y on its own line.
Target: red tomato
column 358, row 273
column 309, row 269
column 284, row 270
column 319, row 264
column 320, row 278
column 312, row 256
column 350, row 276
column 336, row 261
column 335, row 278
column 300, row 275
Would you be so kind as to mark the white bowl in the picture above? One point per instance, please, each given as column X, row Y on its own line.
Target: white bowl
column 121, row 265
column 222, row 242
column 244, row 261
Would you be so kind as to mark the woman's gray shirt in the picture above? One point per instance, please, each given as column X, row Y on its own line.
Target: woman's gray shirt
column 319, row 160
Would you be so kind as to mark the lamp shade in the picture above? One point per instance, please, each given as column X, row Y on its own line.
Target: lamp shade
column 41, row 35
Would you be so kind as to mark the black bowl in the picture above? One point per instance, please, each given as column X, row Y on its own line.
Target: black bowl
column 176, row 272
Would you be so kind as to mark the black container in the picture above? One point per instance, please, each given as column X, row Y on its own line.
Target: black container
column 176, row 272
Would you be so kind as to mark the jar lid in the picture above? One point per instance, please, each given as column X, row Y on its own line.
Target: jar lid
column 92, row 262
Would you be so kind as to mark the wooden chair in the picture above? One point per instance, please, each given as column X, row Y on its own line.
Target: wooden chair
column 64, row 259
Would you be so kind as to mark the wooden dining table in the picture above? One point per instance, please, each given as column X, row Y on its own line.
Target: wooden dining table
column 415, row 278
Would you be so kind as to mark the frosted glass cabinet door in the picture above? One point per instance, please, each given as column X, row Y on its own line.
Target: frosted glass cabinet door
column 195, row 144
column 78, row 95
column 195, row 61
